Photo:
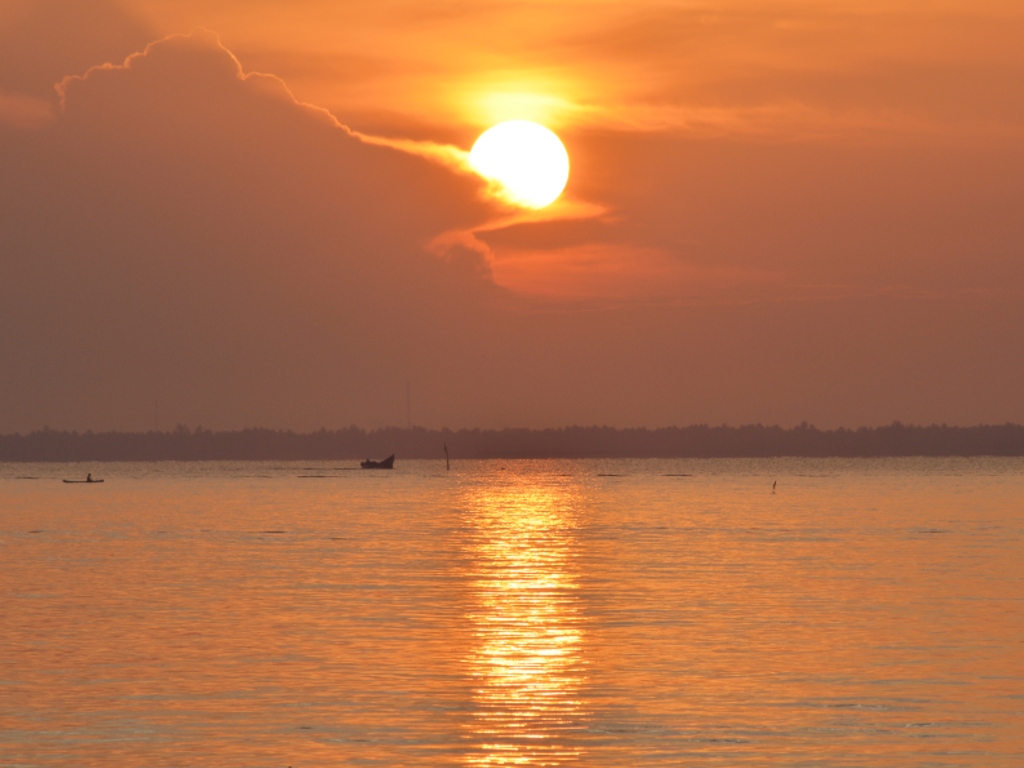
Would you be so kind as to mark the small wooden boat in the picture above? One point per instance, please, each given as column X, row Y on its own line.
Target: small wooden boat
column 388, row 463
column 90, row 481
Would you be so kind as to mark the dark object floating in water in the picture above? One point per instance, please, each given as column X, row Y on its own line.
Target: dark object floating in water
column 37, row 530
column 88, row 479
column 607, row 474
column 272, row 531
column 26, row 477
column 314, row 476
column 388, row 463
column 678, row 474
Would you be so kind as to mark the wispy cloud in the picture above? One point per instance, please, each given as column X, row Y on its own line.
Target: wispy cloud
column 23, row 111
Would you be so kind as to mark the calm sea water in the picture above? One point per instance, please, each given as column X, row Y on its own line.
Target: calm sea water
column 592, row 613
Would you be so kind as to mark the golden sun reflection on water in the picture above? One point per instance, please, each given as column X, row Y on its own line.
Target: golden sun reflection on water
column 526, row 661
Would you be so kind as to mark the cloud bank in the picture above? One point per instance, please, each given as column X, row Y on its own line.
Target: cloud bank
column 185, row 231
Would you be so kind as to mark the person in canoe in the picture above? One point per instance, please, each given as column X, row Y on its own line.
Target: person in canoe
column 88, row 479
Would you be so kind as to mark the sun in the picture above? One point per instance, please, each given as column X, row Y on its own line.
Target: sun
column 528, row 161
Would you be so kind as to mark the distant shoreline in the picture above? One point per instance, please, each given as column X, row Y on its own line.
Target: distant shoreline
column 698, row 441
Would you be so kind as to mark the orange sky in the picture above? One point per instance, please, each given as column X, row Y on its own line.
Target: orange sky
column 777, row 212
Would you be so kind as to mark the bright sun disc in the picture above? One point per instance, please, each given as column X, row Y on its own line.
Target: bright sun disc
column 526, row 159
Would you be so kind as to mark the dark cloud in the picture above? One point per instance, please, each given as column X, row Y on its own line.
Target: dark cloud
column 187, row 234
column 42, row 41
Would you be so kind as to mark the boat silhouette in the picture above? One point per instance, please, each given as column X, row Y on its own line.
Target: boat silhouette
column 88, row 479
column 388, row 463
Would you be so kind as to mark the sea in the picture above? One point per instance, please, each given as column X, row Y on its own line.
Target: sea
column 776, row 612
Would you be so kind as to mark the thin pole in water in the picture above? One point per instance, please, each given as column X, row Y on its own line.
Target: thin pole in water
column 447, row 463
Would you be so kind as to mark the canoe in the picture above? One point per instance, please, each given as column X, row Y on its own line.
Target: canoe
column 89, row 482
column 388, row 463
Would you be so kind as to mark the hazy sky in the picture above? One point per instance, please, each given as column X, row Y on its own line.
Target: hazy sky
column 776, row 212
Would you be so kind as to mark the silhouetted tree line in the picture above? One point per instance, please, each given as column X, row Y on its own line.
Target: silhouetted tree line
column 699, row 441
